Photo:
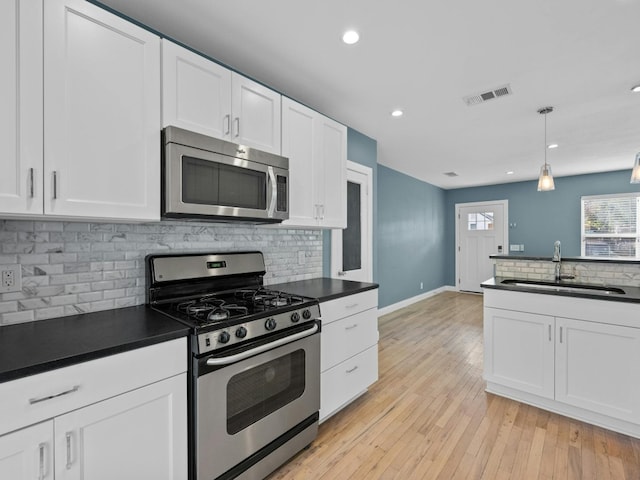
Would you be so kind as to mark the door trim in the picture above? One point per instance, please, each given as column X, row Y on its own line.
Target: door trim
column 336, row 233
column 505, row 228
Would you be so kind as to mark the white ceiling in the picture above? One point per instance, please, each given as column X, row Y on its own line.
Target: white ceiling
column 579, row 56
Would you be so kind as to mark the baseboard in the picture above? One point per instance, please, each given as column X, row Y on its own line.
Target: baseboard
column 409, row 301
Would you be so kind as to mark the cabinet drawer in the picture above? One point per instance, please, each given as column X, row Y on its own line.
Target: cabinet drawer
column 346, row 380
column 343, row 307
column 46, row 395
column 347, row 337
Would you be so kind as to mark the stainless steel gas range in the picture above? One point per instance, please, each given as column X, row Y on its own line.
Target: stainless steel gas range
column 255, row 361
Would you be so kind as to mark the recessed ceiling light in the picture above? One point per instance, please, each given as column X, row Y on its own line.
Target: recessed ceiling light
column 635, row 88
column 552, row 145
column 510, row 172
column 397, row 113
column 350, row 37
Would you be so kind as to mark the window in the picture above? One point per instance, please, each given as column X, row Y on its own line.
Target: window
column 480, row 221
column 611, row 225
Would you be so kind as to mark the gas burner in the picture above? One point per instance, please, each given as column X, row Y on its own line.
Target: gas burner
column 278, row 301
column 218, row 315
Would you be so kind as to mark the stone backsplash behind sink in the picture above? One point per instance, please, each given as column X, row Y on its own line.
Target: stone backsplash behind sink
column 599, row 273
column 72, row 267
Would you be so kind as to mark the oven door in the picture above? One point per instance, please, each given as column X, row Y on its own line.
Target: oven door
column 202, row 183
column 245, row 405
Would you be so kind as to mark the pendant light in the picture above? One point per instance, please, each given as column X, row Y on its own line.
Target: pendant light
column 545, row 180
column 635, row 173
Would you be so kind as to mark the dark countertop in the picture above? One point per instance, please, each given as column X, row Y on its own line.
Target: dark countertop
column 568, row 259
column 632, row 294
column 35, row 347
column 324, row 288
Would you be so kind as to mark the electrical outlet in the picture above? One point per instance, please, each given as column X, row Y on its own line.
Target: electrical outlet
column 421, row 285
column 10, row 278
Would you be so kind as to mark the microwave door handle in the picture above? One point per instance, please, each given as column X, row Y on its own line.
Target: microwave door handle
column 274, row 192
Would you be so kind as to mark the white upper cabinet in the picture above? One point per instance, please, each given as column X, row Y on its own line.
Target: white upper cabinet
column 203, row 96
column 101, row 114
column 21, row 112
column 317, row 150
column 196, row 92
column 256, row 115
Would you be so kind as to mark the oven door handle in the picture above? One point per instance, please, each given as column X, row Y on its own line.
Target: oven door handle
column 262, row 348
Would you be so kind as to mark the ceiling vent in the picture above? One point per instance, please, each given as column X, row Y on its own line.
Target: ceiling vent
column 488, row 95
column 451, row 174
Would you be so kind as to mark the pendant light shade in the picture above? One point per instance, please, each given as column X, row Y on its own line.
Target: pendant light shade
column 545, row 180
column 635, row 173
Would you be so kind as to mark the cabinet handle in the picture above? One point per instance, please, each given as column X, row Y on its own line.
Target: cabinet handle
column 75, row 388
column 351, row 370
column 353, row 305
column 341, row 273
column 31, row 183
column 322, row 210
column 68, row 439
column 237, row 120
column 549, row 332
column 55, row 185
column 41, row 470
column 351, row 327
column 227, row 124
column 560, row 334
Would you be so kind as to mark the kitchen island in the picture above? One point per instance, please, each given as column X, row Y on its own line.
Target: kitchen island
column 572, row 351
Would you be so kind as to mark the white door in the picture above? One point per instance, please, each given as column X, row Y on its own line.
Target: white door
column 140, row 434
column 596, row 367
column 101, row 114
column 21, row 112
column 256, row 115
column 196, row 92
column 519, row 350
column 352, row 247
column 28, row 453
column 481, row 230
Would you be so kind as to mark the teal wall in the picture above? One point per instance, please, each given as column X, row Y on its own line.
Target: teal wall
column 411, row 236
column 363, row 150
column 540, row 217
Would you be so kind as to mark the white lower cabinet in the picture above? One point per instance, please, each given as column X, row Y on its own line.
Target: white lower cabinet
column 28, row 453
column 349, row 351
column 520, row 353
column 134, row 432
column 586, row 367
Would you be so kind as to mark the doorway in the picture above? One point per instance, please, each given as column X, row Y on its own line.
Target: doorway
column 481, row 230
column 352, row 247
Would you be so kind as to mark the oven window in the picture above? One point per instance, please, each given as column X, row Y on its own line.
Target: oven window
column 255, row 393
column 210, row 183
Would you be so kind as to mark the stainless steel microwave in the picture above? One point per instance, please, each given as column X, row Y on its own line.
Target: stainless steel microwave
column 209, row 178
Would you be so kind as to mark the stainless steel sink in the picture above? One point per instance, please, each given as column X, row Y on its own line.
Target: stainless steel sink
column 570, row 288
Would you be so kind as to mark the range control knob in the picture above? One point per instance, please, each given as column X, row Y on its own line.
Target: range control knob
column 270, row 324
column 241, row 332
column 295, row 317
column 306, row 314
column 224, row 337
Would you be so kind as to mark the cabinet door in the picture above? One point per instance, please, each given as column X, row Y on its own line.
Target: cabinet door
column 299, row 132
column 256, row 115
column 27, row 454
column 331, row 170
column 519, row 351
column 102, row 114
column 140, row 434
column 196, row 92
column 21, row 112
column 597, row 368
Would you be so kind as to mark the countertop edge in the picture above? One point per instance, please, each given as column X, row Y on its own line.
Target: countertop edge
column 325, row 289
column 622, row 261
column 494, row 283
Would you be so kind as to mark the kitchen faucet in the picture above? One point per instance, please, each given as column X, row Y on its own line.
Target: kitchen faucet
column 557, row 259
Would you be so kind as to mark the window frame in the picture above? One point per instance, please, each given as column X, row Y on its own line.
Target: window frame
column 636, row 235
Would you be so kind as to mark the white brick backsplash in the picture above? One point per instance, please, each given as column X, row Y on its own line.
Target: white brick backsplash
column 77, row 267
column 584, row 272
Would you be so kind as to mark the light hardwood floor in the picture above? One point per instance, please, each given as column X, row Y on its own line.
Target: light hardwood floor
column 428, row 416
